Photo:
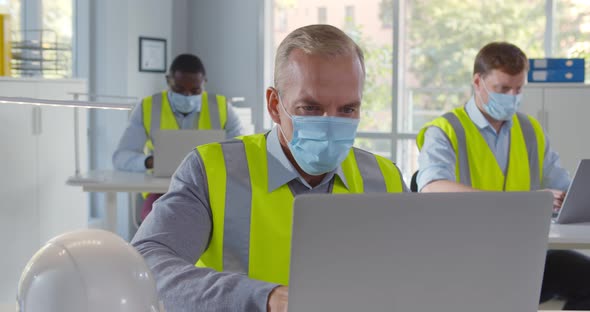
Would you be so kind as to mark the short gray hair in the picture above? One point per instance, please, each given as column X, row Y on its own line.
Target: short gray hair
column 315, row 39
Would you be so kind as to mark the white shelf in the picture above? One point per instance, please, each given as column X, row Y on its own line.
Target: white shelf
column 65, row 103
column 556, row 85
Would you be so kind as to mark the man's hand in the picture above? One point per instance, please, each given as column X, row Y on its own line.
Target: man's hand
column 277, row 300
column 149, row 162
column 558, row 197
column 442, row 186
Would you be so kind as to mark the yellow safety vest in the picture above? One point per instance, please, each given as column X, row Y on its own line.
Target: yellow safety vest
column 157, row 114
column 245, row 213
column 476, row 165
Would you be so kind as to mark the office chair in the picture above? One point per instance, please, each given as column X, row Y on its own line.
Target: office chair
column 413, row 183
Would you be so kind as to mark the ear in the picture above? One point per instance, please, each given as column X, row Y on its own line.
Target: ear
column 272, row 104
column 476, row 80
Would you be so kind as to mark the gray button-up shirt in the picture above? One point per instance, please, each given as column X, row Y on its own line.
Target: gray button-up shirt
column 437, row 158
column 177, row 231
column 129, row 154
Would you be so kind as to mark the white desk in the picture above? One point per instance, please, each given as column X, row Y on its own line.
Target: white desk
column 111, row 182
column 569, row 236
column 561, row 236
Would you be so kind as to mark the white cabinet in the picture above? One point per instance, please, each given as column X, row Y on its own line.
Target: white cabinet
column 36, row 158
column 62, row 207
column 564, row 112
column 19, row 216
column 532, row 103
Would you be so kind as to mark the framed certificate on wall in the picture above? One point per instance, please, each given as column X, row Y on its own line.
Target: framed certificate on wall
column 152, row 55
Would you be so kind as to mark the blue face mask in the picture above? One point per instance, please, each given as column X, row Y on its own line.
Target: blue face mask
column 185, row 104
column 501, row 106
column 319, row 144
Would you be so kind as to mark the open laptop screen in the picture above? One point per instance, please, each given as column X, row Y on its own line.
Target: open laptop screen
column 576, row 204
column 446, row 252
column 172, row 146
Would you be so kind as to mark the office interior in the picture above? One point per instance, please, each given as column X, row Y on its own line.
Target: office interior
column 419, row 59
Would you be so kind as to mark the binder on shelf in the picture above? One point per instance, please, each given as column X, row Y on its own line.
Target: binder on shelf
column 557, row 75
column 556, row 63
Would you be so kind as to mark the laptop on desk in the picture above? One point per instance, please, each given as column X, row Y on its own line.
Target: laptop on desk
column 172, row 146
column 576, row 204
column 446, row 252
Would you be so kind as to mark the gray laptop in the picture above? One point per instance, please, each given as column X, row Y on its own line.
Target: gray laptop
column 172, row 146
column 576, row 204
column 446, row 252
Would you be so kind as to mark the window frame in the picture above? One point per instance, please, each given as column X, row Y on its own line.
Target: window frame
column 400, row 94
column 31, row 18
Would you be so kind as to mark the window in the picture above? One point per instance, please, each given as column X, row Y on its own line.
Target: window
column 349, row 17
column 572, row 31
column 386, row 13
column 57, row 20
column 436, row 43
column 376, row 42
column 14, row 10
column 322, row 15
column 282, row 22
column 42, row 38
column 440, row 45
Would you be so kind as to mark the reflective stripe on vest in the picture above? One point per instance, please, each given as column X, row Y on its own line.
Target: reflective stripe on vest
column 158, row 114
column 251, row 226
column 476, row 165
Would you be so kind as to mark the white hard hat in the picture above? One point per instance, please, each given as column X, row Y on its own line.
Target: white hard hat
column 87, row 270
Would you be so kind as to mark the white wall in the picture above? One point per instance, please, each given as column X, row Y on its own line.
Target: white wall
column 228, row 36
column 39, row 156
column 108, row 51
column 114, row 39
column 180, row 29
column 147, row 18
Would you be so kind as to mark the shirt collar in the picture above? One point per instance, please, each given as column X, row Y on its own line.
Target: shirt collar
column 280, row 169
column 479, row 119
